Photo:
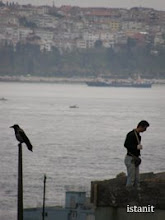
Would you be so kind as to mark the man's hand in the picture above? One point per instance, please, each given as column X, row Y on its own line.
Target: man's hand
column 139, row 147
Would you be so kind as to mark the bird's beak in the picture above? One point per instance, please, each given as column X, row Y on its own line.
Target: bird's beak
column 11, row 127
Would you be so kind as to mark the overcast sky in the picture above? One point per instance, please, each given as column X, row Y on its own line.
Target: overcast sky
column 156, row 4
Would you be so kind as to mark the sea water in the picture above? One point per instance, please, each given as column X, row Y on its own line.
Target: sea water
column 73, row 146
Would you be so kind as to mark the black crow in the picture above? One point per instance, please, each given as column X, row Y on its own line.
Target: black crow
column 21, row 136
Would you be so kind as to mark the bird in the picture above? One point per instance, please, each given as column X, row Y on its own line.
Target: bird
column 21, row 136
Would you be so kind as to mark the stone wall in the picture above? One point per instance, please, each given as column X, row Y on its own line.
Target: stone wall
column 113, row 192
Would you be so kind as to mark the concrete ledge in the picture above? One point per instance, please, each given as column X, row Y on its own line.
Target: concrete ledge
column 114, row 193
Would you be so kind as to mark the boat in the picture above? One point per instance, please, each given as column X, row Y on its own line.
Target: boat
column 3, row 99
column 73, row 106
column 120, row 83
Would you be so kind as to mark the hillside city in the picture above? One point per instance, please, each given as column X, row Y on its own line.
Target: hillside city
column 70, row 28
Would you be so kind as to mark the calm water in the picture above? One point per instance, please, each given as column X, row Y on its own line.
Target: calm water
column 73, row 146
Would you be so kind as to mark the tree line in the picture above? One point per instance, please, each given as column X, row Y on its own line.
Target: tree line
column 119, row 62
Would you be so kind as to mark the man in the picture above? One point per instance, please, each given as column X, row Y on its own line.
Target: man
column 133, row 145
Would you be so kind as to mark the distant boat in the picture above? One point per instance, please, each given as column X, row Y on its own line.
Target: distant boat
column 119, row 83
column 73, row 106
column 3, row 99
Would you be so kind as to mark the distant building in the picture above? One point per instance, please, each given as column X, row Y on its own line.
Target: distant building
column 69, row 28
column 76, row 208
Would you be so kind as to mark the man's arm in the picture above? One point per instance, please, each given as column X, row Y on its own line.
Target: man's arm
column 130, row 142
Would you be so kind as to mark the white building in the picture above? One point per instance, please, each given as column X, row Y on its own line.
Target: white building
column 24, row 32
column 91, row 36
column 8, row 19
column 158, row 40
column 82, row 44
column 45, row 46
column 12, row 34
column 43, row 21
column 105, row 36
column 44, row 34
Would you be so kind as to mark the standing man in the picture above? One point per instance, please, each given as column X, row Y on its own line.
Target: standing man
column 132, row 159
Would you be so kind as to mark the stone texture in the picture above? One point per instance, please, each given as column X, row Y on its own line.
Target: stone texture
column 114, row 193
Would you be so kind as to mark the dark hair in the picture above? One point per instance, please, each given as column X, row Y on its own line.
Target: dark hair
column 143, row 124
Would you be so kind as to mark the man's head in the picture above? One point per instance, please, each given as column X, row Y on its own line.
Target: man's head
column 142, row 126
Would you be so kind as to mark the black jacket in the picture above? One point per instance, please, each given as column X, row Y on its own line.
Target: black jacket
column 131, row 143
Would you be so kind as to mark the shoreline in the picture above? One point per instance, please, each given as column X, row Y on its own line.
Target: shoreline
column 40, row 79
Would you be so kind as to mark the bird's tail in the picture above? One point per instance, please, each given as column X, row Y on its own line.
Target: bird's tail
column 29, row 146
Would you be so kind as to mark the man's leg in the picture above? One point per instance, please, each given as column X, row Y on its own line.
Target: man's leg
column 130, row 171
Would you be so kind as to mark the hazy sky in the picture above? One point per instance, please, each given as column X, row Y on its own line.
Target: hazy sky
column 156, row 4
